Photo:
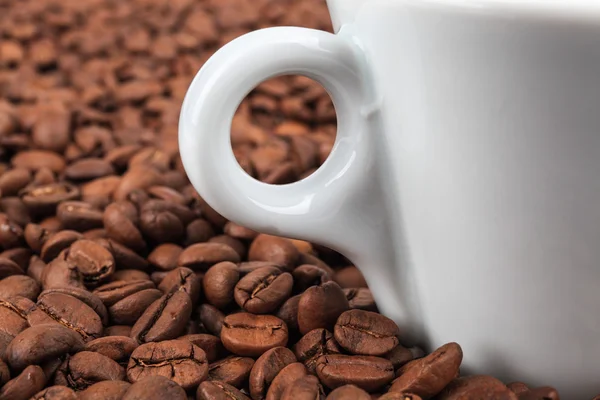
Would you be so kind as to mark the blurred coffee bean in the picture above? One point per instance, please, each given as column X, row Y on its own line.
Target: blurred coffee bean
column 232, row 370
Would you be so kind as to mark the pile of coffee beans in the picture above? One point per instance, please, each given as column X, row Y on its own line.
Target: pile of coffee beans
column 117, row 281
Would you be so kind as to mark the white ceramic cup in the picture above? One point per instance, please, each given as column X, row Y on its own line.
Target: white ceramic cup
column 465, row 178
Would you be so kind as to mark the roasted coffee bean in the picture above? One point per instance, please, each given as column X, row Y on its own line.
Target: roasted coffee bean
column 9, row 268
column 313, row 345
column 232, row 370
column 118, row 330
column 94, row 262
column 128, row 310
column 400, row 355
column 541, row 393
column 165, row 319
column 13, row 180
column 215, row 390
column 120, row 220
column 19, row 255
column 219, row 283
column 79, row 216
column 87, row 169
column 211, row 345
column 16, row 211
column 306, row 258
column 13, row 317
column 518, row 387
column 161, row 227
column 36, row 268
column 350, row 277
column 67, row 311
column 166, row 193
column 85, row 368
column 275, row 249
column 288, row 312
column 476, row 387
column 264, row 290
column 118, row 290
column 251, row 335
column 4, row 373
column 288, row 375
column 87, row 297
column 155, row 388
column 25, row 385
column 427, row 376
column 117, row 348
column 99, row 192
column 367, row 372
column 306, row 388
column 11, row 234
column 235, row 244
column 366, row 333
column 42, row 343
column 105, row 390
column 320, row 307
column 348, row 392
column 19, row 285
column 308, row 275
column 202, row 256
column 140, row 177
column 57, row 243
column 125, row 257
column 35, row 236
column 129, row 275
column 43, row 199
column 239, row 232
column 179, row 360
column 246, row 267
column 211, row 318
column 183, row 279
column 164, row 257
column 60, row 274
column 361, row 299
column 266, row 368
column 185, row 214
column 36, row 159
column 55, row 393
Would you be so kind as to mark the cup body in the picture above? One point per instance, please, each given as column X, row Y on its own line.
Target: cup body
column 489, row 153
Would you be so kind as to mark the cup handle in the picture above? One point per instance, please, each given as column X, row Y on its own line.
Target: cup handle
column 303, row 209
column 342, row 205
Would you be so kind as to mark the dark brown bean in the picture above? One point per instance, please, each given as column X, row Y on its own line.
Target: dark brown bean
column 232, row 370
column 476, row 387
column 308, row 275
column 79, row 216
column 348, row 392
column 161, row 227
column 99, row 192
column 202, row 256
column 288, row 312
column 239, row 232
column 87, row 169
column 60, row 274
column 128, row 310
column 118, row 290
column 215, row 390
column 361, row 299
column 19, row 285
column 183, row 279
column 130, row 275
column 165, row 319
column 55, row 393
column 25, row 385
column 164, row 257
column 118, row 330
column 235, row 244
column 367, row 372
column 140, row 177
column 4, row 373
column 313, row 345
column 275, row 249
column 120, row 220
column 35, row 236
column 251, row 335
column 211, row 345
column 306, row 388
column 85, row 368
column 94, row 262
column 36, row 159
column 350, row 277
column 20, row 255
column 117, row 348
column 211, row 318
column 105, row 390
column 11, row 234
column 366, row 333
column 9, row 268
column 320, row 307
column 179, row 360
column 87, row 297
column 427, row 376
column 43, row 199
column 266, row 368
column 57, row 243
column 155, row 388
column 219, row 283
column 264, row 290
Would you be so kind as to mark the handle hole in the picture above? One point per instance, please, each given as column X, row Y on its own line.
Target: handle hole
column 284, row 129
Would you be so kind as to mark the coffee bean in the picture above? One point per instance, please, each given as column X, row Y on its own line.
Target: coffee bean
column 399, row 356
column 19, row 255
column 94, row 262
column 477, row 387
column 541, row 393
column 43, row 199
column 216, row 390
column 116, row 291
column 105, row 390
column 128, row 310
column 11, row 234
column 19, row 285
column 320, row 307
column 13, row 319
column 164, row 257
column 179, row 360
column 251, row 335
column 140, row 177
column 306, row 388
column 9, row 268
column 85, row 296
column 306, row 258
column 120, row 222
column 86, row 368
column 87, row 169
column 518, row 387
column 264, row 290
column 165, row 319
column 118, row 330
column 348, row 392
column 117, row 348
column 366, row 333
column 288, row 375
column 79, row 216
column 239, row 232
column 57, row 243
column 308, row 275
column 313, row 345
column 198, row 231
column 161, row 227
column 246, row 267
column 67, row 311
column 235, row 244
column 35, row 236
column 185, row 214
column 275, row 249
column 232, row 370
column 60, row 274
column 219, row 283
column 166, row 193
column 98, row 192
column 13, row 180
column 266, row 368
column 361, row 299
column 202, row 256
column 211, row 345
column 427, row 376
column 41, row 343
column 183, row 279
column 211, row 318
column 350, row 277
column 130, row 275
column 55, row 393
column 25, row 385
column 367, row 372
column 51, row 224
column 36, row 268
column 36, row 159
column 155, row 388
